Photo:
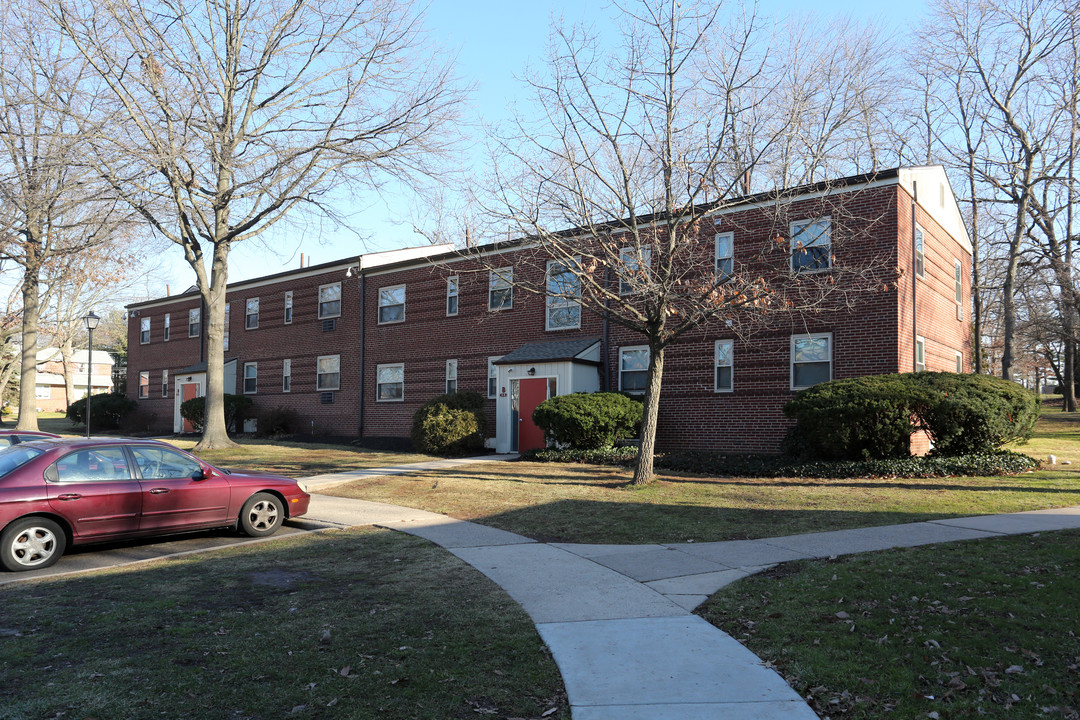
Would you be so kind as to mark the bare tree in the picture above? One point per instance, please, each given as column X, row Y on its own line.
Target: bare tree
column 239, row 113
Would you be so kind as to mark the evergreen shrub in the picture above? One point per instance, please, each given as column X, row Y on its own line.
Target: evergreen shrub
column 451, row 424
column 588, row 420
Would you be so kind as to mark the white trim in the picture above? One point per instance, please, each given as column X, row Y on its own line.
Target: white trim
column 318, row 374
column 286, row 375
column 165, row 383
column 319, row 302
column 453, row 281
column 194, row 312
column 493, row 367
column 144, row 375
column 145, row 323
column 805, row 222
column 550, row 299
column 730, row 236
column 958, row 287
column 166, row 329
column 505, row 274
column 920, row 255
column 791, row 360
column 959, row 361
column 244, row 378
column 248, row 313
column 648, row 358
column 389, row 366
column 920, row 349
column 287, row 311
column 379, row 306
column 731, row 365
column 451, row 375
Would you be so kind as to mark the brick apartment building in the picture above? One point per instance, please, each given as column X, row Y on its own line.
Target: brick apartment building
column 50, row 391
column 356, row 346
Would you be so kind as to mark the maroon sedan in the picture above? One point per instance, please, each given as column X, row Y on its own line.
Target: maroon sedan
column 55, row 492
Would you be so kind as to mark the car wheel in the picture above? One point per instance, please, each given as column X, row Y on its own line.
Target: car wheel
column 31, row 543
column 262, row 515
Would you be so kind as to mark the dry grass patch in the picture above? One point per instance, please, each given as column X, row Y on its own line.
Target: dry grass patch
column 294, row 459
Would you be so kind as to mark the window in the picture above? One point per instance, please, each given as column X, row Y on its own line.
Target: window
column 98, row 464
column 920, row 354
column 144, row 384
column 493, row 376
column 144, row 331
column 43, row 392
column 288, row 307
column 251, row 314
column 225, row 337
column 633, row 369
column 501, row 289
column 634, row 269
column 451, row 376
column 390, row 383
column 165, row 383
column 563, row 290
column 194, row 320
column 165, row 333
column 392, row 304
column 959, row 361
column 811, row 245
column 451, row 295
column 328, row 372
column 722, row 361
column 161, row 464
column 329, row 300
column 920, row 252
column 251, row 378
column 286, row 375
column 725, row 256
column 811, row 360
column 958, row 289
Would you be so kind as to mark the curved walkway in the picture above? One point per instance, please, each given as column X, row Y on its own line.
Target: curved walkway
column 617, row 618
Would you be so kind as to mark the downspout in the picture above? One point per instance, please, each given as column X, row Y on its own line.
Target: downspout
column 914, row 280
column 363, row 331
column 605, row 339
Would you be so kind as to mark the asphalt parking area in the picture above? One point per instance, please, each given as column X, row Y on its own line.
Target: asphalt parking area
column 108, row 555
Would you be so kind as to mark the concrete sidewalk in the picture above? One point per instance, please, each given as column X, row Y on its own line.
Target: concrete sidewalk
column 617, row 617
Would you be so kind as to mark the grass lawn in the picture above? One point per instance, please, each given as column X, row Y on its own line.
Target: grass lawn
column 363, row 623
column 294, row 459
column 987, row 628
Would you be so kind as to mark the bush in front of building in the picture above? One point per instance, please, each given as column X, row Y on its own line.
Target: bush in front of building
column 588, row 420
column 236, row 409
column 451, row 424
column 277, row 422
column 107, row 410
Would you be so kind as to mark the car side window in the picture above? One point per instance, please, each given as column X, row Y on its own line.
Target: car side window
column 6, row 441
column 161, row 464
column 96, row 465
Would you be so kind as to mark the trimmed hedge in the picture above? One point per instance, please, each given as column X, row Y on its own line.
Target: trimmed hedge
column 588, row 420
column 451, row 424
column 107, row 410
column 873, row 417
column 236, row 408
column 1001, row 462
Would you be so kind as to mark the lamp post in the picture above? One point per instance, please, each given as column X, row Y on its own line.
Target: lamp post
column 90, row 321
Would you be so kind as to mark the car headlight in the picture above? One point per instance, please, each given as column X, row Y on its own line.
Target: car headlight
column 302, row 485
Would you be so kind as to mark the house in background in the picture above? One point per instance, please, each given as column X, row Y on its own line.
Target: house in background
column 354, row 347
column 49, row 389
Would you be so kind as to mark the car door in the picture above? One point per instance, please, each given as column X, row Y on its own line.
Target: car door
column 96, row 492
column 175, row 493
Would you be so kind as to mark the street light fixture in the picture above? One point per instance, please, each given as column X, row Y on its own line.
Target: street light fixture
column 90, row 320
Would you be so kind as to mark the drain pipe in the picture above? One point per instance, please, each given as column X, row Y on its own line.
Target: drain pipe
column 363, row 333
column 914, row 279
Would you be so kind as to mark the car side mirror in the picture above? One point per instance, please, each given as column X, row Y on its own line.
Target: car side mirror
column 200, row 474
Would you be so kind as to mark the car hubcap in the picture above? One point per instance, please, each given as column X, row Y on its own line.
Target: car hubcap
column 263, row 515
column 34, row 546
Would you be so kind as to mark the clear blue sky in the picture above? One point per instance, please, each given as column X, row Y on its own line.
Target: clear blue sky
column 493, row 40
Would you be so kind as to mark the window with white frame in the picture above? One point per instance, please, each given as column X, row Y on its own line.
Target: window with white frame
column 725, row 256
column 328, row 372
column 194, row 322
column 286, row 375
column 144, row 331
column 44, row 392
column 251, row 378
column 493, row 376
column 164, row 383
column 228, row 324
column 288, row 307
column 811, row 359
column 501, row 289
column 165, row 332
column 329, row 301
column 723, row 366
column 390, row 383
column 920, row 252
column 959, row 361
column 563, row 291
column 958, row 288
column 451, row 376
column 144, row 384
column 920, row 354
column 633, row 369
column 451, row 295
column 392, row 304
column 634, row 266
column 251, row 314
column 811, row 245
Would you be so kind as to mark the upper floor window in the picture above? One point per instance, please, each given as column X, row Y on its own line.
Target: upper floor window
column 328, row 372
column 811, row 360
column 501, row 289
column 228, row 324
column 811, row 245
column 165, row 333
column 563, row 291
column 194, row 322
column 288, row 307
column 920, row 252
column 452, row 295
column 722, row 359
column 251, row 378
column 144, row 330
column 725, row 256
column 251, row 314
column 329, row 300
column 634, row 264
column 392, row 304
column 958, row 289
column 633, row 369
column 451, row 376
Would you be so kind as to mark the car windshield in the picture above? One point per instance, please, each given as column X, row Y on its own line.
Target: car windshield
column 14, row 456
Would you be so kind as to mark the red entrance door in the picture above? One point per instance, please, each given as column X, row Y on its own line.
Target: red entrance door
column 533, row 392
column 188, row 391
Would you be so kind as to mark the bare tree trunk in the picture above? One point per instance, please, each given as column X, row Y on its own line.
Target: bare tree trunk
column 28, row 382
column 216, row 432
column 66, row 357
column 643, row 469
